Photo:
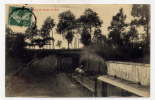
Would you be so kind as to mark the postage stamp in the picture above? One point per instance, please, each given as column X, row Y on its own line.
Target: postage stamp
column 19, row 16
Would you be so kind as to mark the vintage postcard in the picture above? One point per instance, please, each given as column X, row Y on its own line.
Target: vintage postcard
column 77, row 50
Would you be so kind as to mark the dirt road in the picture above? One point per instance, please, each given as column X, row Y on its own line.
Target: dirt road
column 57, row 85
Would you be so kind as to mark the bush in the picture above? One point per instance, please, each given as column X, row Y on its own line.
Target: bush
column 15, row 45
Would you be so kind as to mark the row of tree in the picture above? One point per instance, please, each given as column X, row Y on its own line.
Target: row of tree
column 123, row 38
column 131, row 43
column 67, row 26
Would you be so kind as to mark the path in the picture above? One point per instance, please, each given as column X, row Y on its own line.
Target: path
column 59, row 85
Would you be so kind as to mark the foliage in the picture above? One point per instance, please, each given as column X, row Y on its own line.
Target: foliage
column 46, row 28
column 88, row 21
column 85, row 37
column 123, row 38
column 69, row 37
column 117, row 28
column 42, row 36
column 116, row 31
column 132, row 45
column 98, row 37
column 14, row 43
column 141, row 12
column 126, row 43
column 59, row 43
column 66, row 22
column 31, row 31
column 66, row 25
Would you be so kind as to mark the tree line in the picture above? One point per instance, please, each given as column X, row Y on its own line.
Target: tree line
column 123, row 39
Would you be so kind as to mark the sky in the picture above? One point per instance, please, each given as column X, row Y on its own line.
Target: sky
column 42, row 11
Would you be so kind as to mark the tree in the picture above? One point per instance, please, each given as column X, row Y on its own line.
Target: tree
column 41, row 37
column 85, row 37
column 31, row 32
column 117, row 29
column 45, row 30
column 66, row 25
column 125, row 42
column 88, row 21
column 66, row 22
column 130, row 37
column 132, row 45
column 69, row 37
column 59, row 42
column 141, row 12
column 98, row 38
